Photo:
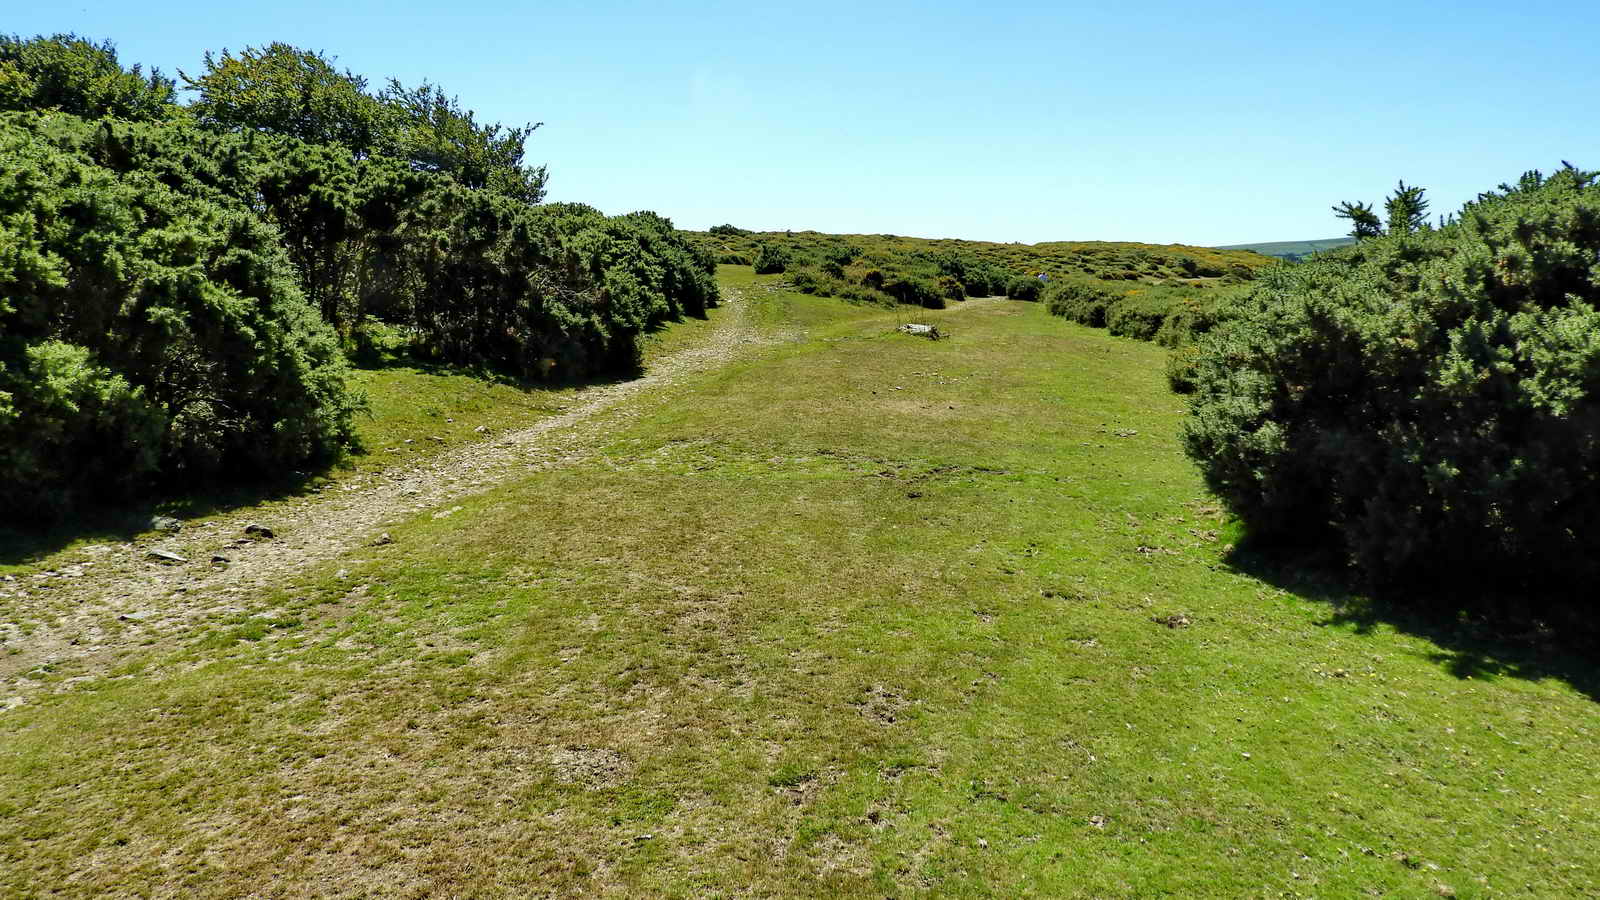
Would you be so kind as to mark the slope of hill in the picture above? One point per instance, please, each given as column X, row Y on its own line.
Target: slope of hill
column 1108, row 260
column 1292, row 250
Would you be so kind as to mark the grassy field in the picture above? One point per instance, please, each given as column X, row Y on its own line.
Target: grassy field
column 859, row 615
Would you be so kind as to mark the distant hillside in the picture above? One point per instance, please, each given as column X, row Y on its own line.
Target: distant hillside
column 1293, row 250
column 1098, row 259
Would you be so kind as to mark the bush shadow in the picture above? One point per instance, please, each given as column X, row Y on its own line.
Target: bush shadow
column 1485, row 637
column 23, row 542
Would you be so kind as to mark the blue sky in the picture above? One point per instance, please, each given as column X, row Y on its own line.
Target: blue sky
column 1153, row 121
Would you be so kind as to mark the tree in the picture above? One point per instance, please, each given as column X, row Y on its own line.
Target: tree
column 1364, row 223
column 1407, row 210
column 432, row 132
column 285, row 90
column 298, row 93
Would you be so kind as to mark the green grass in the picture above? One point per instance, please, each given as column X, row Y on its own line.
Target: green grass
column 860, row 615
column 416, row 412
column 413, row 413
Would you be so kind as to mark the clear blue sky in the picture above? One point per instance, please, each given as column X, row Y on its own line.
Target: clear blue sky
column 1159, row 121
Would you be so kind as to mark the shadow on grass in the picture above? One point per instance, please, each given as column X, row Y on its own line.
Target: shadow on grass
column 1497, row 638
column 121, row 522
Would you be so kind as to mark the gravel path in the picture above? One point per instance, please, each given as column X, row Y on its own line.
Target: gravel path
column 80, row 619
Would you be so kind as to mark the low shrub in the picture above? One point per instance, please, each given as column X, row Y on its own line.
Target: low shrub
column 1079, row 300
column 1137, row 316
column 1188, row 319
column 1181, row 367
column 1024, row 287
column 771, row 260
column 916, row 291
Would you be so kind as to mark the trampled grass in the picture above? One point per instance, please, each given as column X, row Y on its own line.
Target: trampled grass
column 859, row 615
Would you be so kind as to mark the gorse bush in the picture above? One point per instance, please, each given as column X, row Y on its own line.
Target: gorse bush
column 770, row 260
column 1430, row 401
column 146, row 332
column 73, row 75
column 481, row 277
column 177, row 281
column 290, row 92
column 862, row 265
column 1079, row 300
column 1024, row 287
column 1138, row 314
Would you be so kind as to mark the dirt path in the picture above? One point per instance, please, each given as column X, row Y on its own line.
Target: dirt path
column 79, row 619
column 75, row 622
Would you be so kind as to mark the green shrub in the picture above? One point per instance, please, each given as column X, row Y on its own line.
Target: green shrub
column 1136, row 315
column 73, row 75
column 1079, row 300
column 771, row 259
column 916, row 291
column 1186, row 320
column 1181, row 367
column 951, row 288
column 145, row 334
column 1431, row 402
column 805, row 280
column 1024, row 287
column 841, row 255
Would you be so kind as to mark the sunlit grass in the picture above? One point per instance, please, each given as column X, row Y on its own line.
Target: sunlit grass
column 861, row 615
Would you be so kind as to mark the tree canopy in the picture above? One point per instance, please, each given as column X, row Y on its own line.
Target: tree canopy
column 285, row 90
column 75, row 75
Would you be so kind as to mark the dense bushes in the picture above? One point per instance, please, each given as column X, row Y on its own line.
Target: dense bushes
column 770, row 260
column 985, row 268
column 1079, row 300
column 480, row 277
column 286, row 91
column 73, row 75
column 145, row 331
column 1430, row 401
column 1173, row 315
column 157, row 262
column 1024, row 287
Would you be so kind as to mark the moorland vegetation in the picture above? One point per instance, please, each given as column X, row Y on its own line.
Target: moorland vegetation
column 187, row 285
column 882, row 268
column 185, row 282
column 1427, row 401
